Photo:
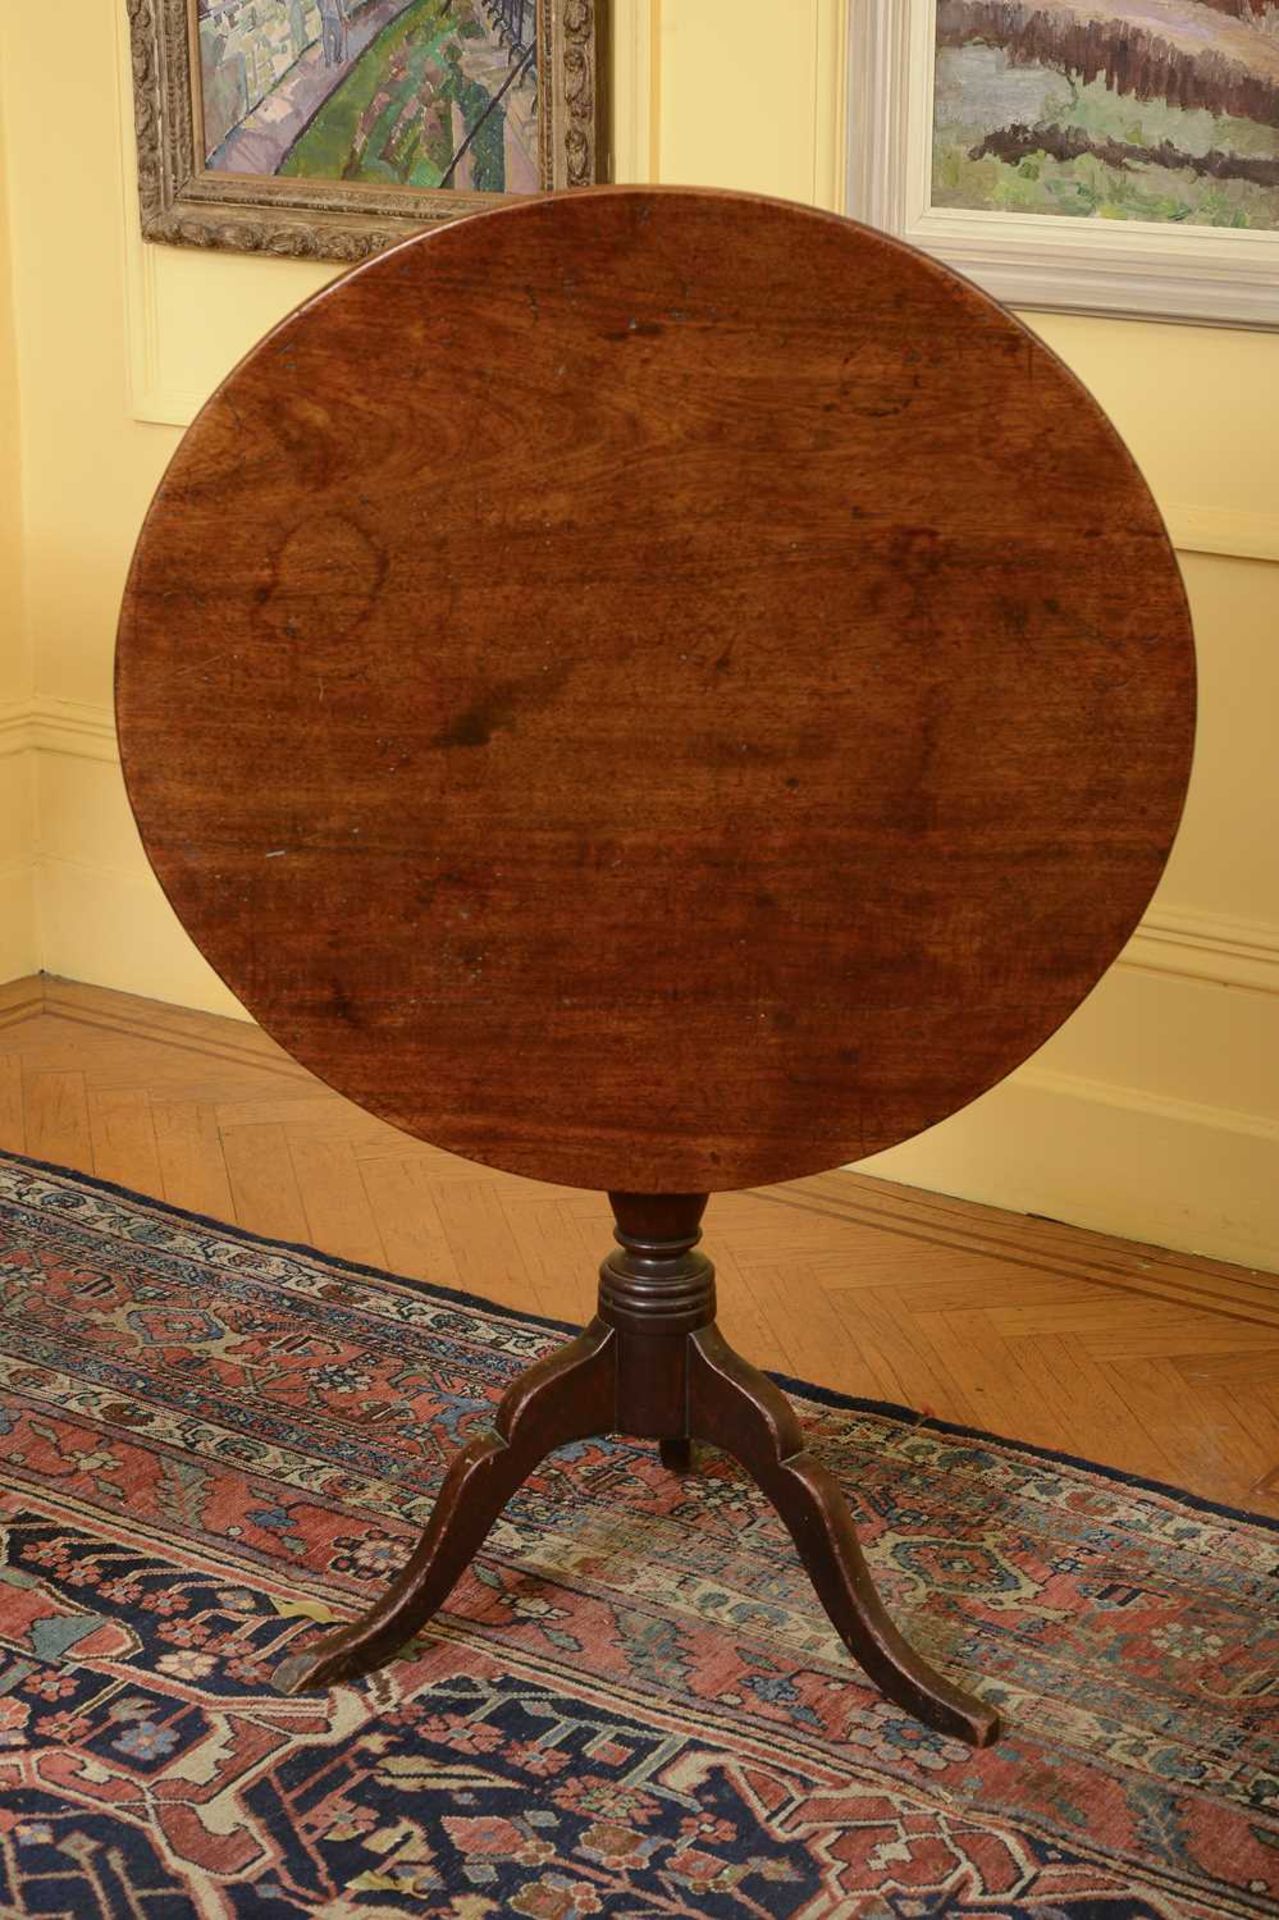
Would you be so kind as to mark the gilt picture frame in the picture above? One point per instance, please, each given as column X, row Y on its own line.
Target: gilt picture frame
column 1199, row 261
column 329, row 129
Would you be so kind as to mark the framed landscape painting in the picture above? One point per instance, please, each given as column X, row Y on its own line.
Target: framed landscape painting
column 1117, row 156
column 330, row 128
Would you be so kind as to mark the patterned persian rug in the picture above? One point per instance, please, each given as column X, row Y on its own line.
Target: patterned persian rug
column 633, row 1704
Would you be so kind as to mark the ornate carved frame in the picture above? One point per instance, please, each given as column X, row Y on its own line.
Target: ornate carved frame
column 183, row 203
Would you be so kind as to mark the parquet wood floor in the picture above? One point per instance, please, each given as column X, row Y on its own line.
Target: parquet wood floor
column 1162, row 1364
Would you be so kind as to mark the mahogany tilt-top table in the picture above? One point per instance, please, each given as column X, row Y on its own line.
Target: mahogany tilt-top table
column 662, row 691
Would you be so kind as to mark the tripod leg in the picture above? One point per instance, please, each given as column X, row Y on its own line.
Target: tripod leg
column 567, row 1396
column 734, row 1406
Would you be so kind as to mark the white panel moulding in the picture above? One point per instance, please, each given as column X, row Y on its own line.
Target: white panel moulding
column 830, row 103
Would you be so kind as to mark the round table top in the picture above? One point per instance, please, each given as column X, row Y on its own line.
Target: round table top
column 655, row 689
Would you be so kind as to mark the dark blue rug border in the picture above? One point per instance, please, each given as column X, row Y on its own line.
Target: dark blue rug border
column 823, row 1396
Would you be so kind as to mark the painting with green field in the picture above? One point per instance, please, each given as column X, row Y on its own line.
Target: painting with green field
column 1143, row 110
column 438, row 95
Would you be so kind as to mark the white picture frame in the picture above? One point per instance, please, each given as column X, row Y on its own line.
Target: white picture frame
column 1145, row 269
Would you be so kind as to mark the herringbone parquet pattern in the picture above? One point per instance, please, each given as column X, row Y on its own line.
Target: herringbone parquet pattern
column 1158, row 1363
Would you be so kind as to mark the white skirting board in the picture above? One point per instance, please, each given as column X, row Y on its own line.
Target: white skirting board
column 1169, row 1172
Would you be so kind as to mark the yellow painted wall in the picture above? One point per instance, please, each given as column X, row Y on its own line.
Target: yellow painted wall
column 1156, row 1111
column 17, row 819
column 14, row 664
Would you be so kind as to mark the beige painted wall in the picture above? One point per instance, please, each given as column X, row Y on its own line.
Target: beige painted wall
column 1155, row 1112
column 17, row 776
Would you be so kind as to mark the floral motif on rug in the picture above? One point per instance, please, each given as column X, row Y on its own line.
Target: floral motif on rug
column 633, row 1704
